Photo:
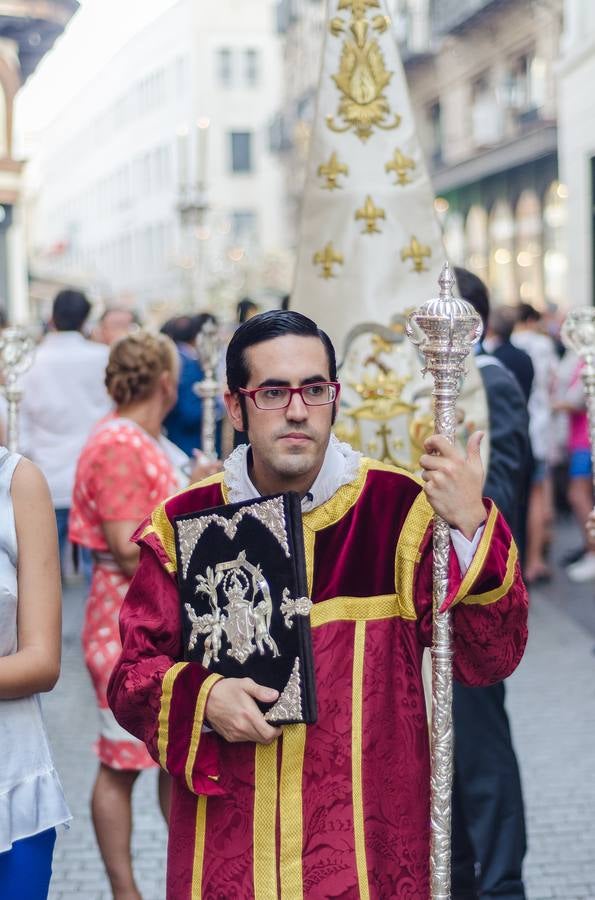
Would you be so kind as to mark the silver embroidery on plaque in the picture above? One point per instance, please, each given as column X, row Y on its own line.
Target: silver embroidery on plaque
column 301, row 606
column 289, row 704
column 243, row 618
column 270, row 513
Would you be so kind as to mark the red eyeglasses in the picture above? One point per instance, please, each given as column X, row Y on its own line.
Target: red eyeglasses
column 320, row 393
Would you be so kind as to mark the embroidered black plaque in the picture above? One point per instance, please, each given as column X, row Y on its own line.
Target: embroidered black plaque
column 245, row 613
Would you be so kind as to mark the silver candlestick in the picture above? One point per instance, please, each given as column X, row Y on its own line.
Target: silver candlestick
column 17, row 349
column 444, row 329
column 208, row 350
column 578, row 333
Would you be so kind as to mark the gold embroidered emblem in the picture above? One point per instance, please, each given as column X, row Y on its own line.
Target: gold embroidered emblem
column 362, row 76
column 327, row 258
column 399, row 165
column 370, row 213
column 416, row 253
column 331, row 171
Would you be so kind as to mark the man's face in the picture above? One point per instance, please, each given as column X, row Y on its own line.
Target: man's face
column 117, row 323
column 288, row 445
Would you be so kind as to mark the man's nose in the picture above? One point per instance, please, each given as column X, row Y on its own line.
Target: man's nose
column 297, row 409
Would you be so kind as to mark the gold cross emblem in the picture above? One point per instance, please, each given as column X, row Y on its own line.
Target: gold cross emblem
column 416, row 253
column 331, row 171
column 370, row 213
column 399, row 165
column 327, row 258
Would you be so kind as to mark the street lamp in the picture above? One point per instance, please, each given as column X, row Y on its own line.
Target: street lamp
column 193, row 204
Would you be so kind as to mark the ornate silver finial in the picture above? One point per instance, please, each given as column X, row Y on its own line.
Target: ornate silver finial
column 208, row 350
column 446, row 282
column 17, row 349
column 578, row 331
column 443, row 329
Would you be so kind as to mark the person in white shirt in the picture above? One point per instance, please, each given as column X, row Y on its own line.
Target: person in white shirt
column 529, row 337
column 64, row 396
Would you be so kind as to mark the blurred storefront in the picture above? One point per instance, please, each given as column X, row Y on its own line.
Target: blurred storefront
column 486, row 102
column 27, row 32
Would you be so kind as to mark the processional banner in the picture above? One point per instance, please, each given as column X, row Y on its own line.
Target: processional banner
column 370, row 247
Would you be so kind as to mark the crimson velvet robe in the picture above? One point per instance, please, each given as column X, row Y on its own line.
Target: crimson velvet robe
column 339, row 808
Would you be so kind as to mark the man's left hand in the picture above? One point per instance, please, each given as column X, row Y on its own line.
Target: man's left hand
column 454, row 481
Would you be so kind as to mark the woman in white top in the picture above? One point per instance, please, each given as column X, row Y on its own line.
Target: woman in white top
column 32, row 803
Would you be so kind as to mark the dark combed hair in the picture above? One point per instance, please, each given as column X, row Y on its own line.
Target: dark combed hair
column 265, row 327
column 528, row 313
column 473, row 289
column 244, row 307
column 184, row 329
column 70, row 310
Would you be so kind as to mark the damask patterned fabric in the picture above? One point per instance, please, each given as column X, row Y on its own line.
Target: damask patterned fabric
column 340, row 808
column 121, row 473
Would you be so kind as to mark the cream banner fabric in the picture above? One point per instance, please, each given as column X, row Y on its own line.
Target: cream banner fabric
column 370, row 246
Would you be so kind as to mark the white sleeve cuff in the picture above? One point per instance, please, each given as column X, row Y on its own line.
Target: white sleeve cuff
column 465, row 549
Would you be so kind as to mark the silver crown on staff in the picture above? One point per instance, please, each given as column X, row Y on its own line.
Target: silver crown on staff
column 17, row 349
column 208, row 350
column 578, row 331
column 445, row 328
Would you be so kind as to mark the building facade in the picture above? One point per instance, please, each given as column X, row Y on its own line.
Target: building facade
column 155, row 187
column 487, row 112
column 483, row 86
column 27, row 32
column 576, row 141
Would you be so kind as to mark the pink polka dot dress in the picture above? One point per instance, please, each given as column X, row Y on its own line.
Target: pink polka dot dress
column 122, row 474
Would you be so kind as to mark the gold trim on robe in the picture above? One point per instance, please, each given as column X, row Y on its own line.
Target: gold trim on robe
column 359, row 645
column 167, row 689
column 264, row 828
column 291, row 815
column 199, row 847
column 199, row 716
column 497, row 593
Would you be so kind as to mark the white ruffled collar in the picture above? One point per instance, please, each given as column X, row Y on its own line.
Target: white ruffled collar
column 340, row 466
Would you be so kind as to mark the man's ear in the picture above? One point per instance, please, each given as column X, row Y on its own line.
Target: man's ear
column 234, row 410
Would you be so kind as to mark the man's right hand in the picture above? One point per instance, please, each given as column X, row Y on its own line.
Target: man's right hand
column 232, row 712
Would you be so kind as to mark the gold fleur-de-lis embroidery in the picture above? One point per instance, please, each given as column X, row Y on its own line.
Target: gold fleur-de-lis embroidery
column 399, row 164
column 331, row 170
column 370, row 213
column 362, row 77
column 416, row 253
column 327, row 258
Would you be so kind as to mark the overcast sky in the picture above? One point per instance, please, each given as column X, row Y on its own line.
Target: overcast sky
column 96, row 32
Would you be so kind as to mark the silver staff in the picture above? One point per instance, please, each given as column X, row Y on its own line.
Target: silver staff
column 208, row 349
column 578, row 333
column 444, row 330
column 16, row 355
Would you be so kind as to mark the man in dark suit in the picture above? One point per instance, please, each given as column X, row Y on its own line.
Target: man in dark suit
column 488, row 823
column 497, row 342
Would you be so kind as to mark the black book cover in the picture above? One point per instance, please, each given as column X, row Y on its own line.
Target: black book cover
column 243, row 595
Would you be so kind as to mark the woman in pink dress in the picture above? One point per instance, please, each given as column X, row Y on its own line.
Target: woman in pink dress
column 125, row 469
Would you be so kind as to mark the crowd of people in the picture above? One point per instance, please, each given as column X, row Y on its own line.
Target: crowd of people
column 111, row 418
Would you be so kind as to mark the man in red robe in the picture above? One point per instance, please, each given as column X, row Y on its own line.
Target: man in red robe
column 339, row 808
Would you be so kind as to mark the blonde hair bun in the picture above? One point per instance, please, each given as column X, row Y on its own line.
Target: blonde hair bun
column 135, row 363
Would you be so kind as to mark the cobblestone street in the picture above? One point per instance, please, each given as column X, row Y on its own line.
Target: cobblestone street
column 551, row 699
